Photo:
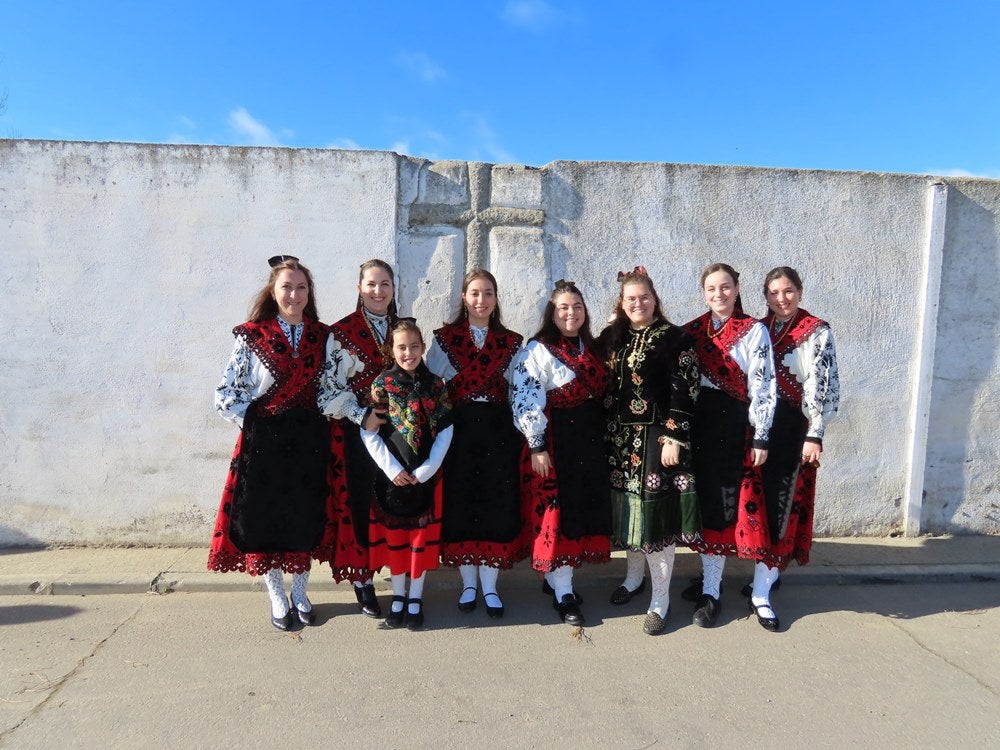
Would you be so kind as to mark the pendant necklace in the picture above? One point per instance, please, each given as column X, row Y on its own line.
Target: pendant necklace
column 715, row 328
column 784, row 326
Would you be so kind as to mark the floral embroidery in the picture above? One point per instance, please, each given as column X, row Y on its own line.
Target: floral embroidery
column 638, row 406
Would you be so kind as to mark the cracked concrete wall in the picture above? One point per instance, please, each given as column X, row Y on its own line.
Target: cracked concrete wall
column 125, row 267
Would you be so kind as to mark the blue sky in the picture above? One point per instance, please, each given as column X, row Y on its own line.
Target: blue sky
column 882, row 85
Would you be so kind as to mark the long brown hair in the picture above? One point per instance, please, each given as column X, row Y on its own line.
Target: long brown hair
column 393, row 312
column 549, row 333
column 733, row 274
column 462, row 314
column 264, row 306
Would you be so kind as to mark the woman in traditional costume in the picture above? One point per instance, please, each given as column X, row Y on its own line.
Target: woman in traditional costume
column 354, row 359
column 729, row 438
column 556, row 395
column 405, row 526
column 482, row 518
column 808, row 389
column 654, row 384
column 273, row 508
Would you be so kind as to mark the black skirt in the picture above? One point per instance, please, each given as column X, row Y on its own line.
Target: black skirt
column 361, row 475
column 781, row 470
column 281, row 488
column 719, row 442
column 482, row 494
column 582, row 472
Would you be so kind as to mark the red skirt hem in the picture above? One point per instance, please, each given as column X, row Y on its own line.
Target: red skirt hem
column 502, row 555
column 413, row 551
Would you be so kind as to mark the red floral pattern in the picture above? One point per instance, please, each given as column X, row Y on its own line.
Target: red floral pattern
column 479, row 372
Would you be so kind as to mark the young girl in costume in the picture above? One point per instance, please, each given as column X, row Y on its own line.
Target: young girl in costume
column 404, row 530
column 275, row 501
column 482, row 516
column 556, row 395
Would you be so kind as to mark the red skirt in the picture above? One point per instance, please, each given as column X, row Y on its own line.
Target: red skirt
column 413, row 551
column 723, row 467
column 548, row 547
column 796, row 543
column 341, row 547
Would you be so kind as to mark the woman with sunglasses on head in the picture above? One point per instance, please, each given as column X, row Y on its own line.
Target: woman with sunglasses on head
column 355, row 357
column 556, row 395
column 808, row 386
column 483, row 517
column 654, row 384
column 274, row 505
column 729, row 439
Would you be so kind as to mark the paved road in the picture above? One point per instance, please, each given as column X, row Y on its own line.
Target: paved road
column 915, row 665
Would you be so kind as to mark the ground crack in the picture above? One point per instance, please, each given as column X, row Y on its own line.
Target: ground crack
column 58, row 685
column 943, row 658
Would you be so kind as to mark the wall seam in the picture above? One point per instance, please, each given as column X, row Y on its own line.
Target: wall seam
column 936, row 210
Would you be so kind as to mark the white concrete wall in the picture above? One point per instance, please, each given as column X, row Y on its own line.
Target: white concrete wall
column 962, row 489
column 124, row 267
column 123, row 270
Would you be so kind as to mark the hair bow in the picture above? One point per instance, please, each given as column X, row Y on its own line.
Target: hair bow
column 637, row 271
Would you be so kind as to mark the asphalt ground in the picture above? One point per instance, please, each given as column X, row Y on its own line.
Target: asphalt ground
column 884, row 642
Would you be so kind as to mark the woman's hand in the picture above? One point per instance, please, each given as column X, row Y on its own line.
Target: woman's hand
column 670, row 453
column 759, row 456
column 541, row 464
column 811, row 453
column 376, row 419
column 404, row 478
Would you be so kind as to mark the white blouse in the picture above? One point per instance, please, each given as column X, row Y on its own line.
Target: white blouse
column 535, row 372
column 814, row 365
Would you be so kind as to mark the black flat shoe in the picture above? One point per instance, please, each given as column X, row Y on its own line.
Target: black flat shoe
column 306, row 618
column 747, row 590
column 414, row 620
column 367, row 601
column 282, row 623
column 468, row 606
column 622, row 595
column 768, row 623
column 692, row 592
column 654, row 624
column 495, row 612
column 549, row 591
column 569, row 610
column 395, row 620
column 707, row 613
